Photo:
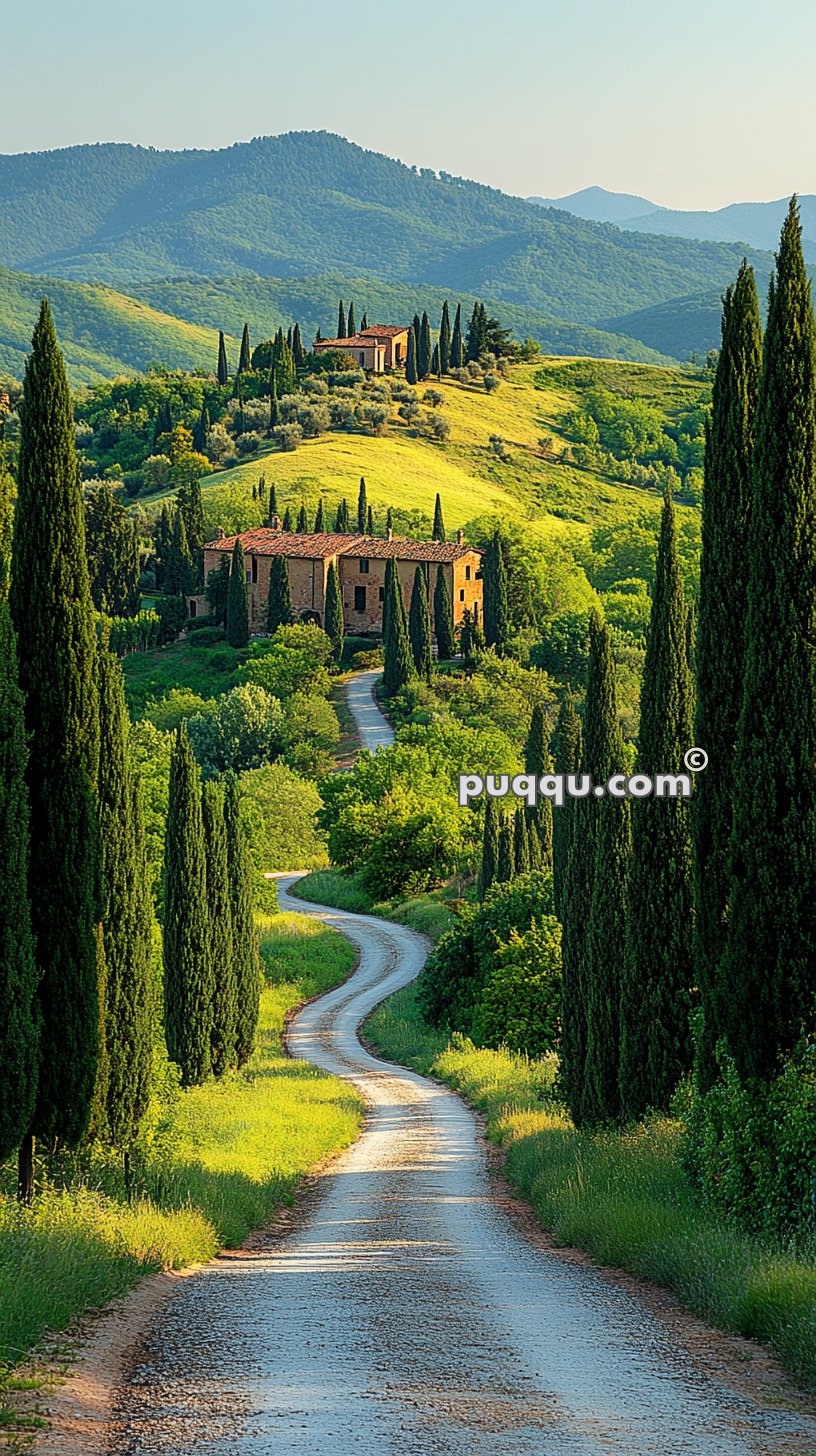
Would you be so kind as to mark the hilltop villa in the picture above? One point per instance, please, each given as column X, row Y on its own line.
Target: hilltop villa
column 360, row 561
column 382, row 346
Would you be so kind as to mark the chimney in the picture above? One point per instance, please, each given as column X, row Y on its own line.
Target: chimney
column 389, row 535
column 220, row 534
column 274, row 523
column 460, row 538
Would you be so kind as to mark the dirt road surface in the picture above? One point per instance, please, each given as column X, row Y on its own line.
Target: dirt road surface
column 409, row 1316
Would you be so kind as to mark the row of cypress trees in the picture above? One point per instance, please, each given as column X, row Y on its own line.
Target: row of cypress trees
column 408, row 638
column 292, row 342
column 212, row 976
column 425, row 358
column 663, row 902
column 519, row 843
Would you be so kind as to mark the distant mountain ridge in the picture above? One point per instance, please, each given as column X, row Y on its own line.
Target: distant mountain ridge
column 311, row 204
column 756, row 224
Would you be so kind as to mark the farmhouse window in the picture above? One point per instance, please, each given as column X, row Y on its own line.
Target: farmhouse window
column 359, row 599
column 462, row 595
column 363, row 565
column 382, row 593
column 467, row 573
column 254, row 568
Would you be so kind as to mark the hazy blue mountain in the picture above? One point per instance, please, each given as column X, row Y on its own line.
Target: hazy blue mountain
column 755, row 224
column 309, row 204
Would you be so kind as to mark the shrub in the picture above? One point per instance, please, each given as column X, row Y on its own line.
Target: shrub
column 461, row 375
column 314, row 419
column 433, row 398
column 499, row 446
column 369, row 657
column 249, row 443
column 440, row 427
column 172, row 619
column 206, row 636
column 314, row 385
column 288, row 436
column 519, row 1005
column 279, row 809
column 491, row 382
column 244, row 730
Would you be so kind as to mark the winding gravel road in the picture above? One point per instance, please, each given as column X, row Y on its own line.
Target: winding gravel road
column 409, row 1317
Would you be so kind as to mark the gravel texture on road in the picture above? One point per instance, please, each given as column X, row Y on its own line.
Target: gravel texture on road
column 408, row 1316
column 373, row 729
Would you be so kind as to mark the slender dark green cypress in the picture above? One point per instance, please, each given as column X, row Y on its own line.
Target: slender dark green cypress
column 127, row 918
column 389, row 521
column 439, row 533
column 334, row 611
column 496, row 608
column 341, row 321
column 504, row 863
column 411, row 369
column 6, row 524
column 605, row 946
column 19, row 978
column 658, row 975
column 51, row 610
column 537, row 762
column 398, row 660
column 720, row 651
column 574, row 900
column 457, row 355
column 286, row 524
column 302, row 521
column 521, row 844
column 768, row 987
column 188, row 972
column 274, row 413
column 351, row 327
column 272, row 510
column 223, row 367
column 179, row 571
column 369, row 522
column 191, row 508
column 443, row 618
column 319, row 521
column 245, row 358
column 244, row 935
column 425, row 354
column 201, row 430
column 445, row 340
column 566, row 750
column 364, row 323
column 298, row 351
column 279, row 600
column 237, row 599
column 490, row 846
column 222, row 959
column 362, row 507
column 419, row 627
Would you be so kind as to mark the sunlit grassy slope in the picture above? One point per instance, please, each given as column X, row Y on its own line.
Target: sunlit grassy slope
column 404, row 469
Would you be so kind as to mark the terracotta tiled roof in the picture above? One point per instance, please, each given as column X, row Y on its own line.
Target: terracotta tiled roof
column 404, row 550
column 384, row 331
column 354, row 341
column 263, row 541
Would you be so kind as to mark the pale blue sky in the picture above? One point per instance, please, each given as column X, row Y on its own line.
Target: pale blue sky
column 693, row 105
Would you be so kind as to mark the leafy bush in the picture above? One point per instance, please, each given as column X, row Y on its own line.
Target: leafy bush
column 279, row 809
column 520, row 1002
column 205, row 635
column 243, row 730
column 288, row 436
column 295, row 660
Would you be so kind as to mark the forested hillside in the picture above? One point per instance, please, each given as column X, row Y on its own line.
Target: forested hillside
column 311, row 202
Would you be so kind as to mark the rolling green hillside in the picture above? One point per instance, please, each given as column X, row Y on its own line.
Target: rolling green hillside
column 102, row 333
column 312, row 203
column 683, row 325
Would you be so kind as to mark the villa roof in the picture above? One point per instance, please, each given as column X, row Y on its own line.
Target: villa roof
column 354, row 341
column 264, row 541
column 385, row 331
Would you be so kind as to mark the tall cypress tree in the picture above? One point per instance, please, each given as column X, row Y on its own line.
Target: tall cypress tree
column 245, row 358
column 443, row 618
column 411, row 368
column 369, row 522
column 237, row 599
column 445, row 340
column 201, row 430
column 179, row 572
column 364, row 323
column 398, row 659
column 52, row 614
column 768, row 987
column 658, row 974
column 720, row 652
column 279, row 600
column 191, row 509
column 496, row 607
column 302, row 521
column 319, row 520
column 504, row 862
column 223, row 367
column 298, row 351
column 272, row 510
column 362, row 507
column 351, row 325
column 439, row 533
column 274, row 412
column 222, row 958
column 521, row 844
column 567, row 749
column 334, row 611
column 537, row 762
column 6, row 524
column 19, row 977
column 574, row 900
column 286, row 524
column 244, row 935
column 605, row 946
column 188, row 971
column 419, row 627
column 457, row 354
column 127, row 918
column 341, row 321
column 490, row 846
column 425, row 353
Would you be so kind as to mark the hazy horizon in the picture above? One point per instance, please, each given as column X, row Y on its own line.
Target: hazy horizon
column 686, row 109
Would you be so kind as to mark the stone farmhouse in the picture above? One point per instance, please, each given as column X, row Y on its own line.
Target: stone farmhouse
column 360, row 562
column 379, row 347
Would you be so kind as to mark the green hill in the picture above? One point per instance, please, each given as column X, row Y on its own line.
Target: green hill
column 683, row 326
column 310, row 203
column 102, row 333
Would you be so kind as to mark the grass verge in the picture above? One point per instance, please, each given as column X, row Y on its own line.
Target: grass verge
column 622, row 1198
column 430, row 914
column 220, row 1160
